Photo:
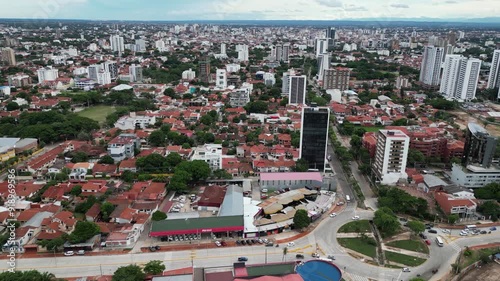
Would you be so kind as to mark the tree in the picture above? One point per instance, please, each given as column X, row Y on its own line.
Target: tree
column 76, row 190
column 490, row 208
column 129, row 273
column 79, row 157
column 106, row 210
column 453, row 218
column 400, row 122
column 154, row 267
column 416, row 227
column 157, row 138
column 285, row 252
column 127, row 176
column 31, row 275
column 159, row 216
column 52, row 245
column 11, row 106
column 301, row 219
column 173, row 159
column 301, row 165
column 84, row 230
column 222, row 174
column 198, row 169
column 386, row 222
column 106, row 159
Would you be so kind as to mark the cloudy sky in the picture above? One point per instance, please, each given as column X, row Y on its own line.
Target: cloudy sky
column 246, row 9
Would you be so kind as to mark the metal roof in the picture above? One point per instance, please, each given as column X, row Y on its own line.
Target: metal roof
column 196, row 225
column 232, row 205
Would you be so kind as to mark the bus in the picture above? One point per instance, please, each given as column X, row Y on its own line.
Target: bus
column 439, row 241
column 471, row 227
column 347, row 198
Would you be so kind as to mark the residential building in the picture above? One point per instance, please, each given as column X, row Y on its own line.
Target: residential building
column 321, row 46
column 140, row 45
column 188, row 75
column 8, row 56
column 283, row 52
column 123, row 146
column 336, row 78
column 402, row 82
column 221, row 79
column 474, row 175
column 242, row 52
column 330, row 35
column 430, row 69
column 391, row 156
column 239, row 98
column 285, row 88
column 479, row 146
column 323, row 64
column 133, row 121
column 223, row 48
column 4, row 92
column 297, row 90
column 135, row 72
column 99, row 74
column 494, row 77
column 449, row 204
column 84, row 83
column 117, row 43
column 314, row 136
column 204, row 70
column 19, row 80
column 47, row 74
column 210, row 153
column 112, row 68
column 460, row 77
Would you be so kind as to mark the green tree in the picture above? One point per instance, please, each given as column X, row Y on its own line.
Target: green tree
column 129, row 273
column 301, row 165
column 416, row 227
column 198, row 169
column 30, row 275
column 127, row 176
column 84, row 230
column 173, row 159
column 11, row 106
column 76, row 190
column 157, row 138
column 52, row 245
column 159, row 216
column 106, row 159
column 490, row 208
column 154, row 267
column 106, row 210
column 453, row 218
column 386, row 222
column 301, row 219
column 285, row 252
column 79, row 157
column 222, row 174
column 400, row 122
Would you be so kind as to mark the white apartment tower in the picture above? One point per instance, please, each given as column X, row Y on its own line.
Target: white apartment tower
column 430, row 69
column 285, row 88
column 283, row 52
column 297, row 90
column 223, row 48
column 117, row 43
column 188, row 75
column 323, row 64
column 494, row 77
column 242, row 52
column 221, row 79
column 47, row 74
column 321, row 46
column 390, row 156
column 460, row 77
column 135, row 72
column 210, row 153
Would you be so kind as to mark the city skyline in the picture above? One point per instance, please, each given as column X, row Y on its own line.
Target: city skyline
column 244, row 10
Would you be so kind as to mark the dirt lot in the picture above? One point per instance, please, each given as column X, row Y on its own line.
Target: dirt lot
column 490, row 272
column 463, row 118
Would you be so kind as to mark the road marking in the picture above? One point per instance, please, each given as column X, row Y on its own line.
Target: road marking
column 299, row 249
column 455, row 246
column 356, row 277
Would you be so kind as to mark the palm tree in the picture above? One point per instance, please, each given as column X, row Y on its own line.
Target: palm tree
column 46, row 276
column 285, row 251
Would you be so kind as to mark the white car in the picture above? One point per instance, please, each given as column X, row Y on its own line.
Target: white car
column 463, row 233
column 69, row 253
column 445, row 230
column 218, row 243
column 290, row 244
column 332, row 215
column 406, row 269
column 355, row 218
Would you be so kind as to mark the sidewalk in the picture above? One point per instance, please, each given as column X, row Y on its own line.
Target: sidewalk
column 405, row 252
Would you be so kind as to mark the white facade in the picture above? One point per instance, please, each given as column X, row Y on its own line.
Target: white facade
column 133, row 121
column 188, row 75
column 391, row 155
column 430, row 69
column 99, row 74
column 210, row 153
column 321, row 46
column 494, row 77
column 233, row 67
column 282, row 52
column 135, row 72
column 4, row 91
column 222, row 48
column 140, row 45
column 285, row 88
column 80, row 71
column 239, row 98
column 324, row 64
column 242, row 52
column 297, row 89
column 117, row 43
column 460, row 77
column 474, row 176
column 221, row 79
column 47, row 74
column 269, row 79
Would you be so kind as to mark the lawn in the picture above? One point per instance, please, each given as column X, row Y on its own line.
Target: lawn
column 476, row 255
column 403, row 259
column 359, row 245
column 373, row 129
column 355, row 226
column 97, row 113
column 410, row 245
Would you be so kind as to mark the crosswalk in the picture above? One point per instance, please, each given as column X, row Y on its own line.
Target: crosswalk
column 355, row 277
column 455, row 246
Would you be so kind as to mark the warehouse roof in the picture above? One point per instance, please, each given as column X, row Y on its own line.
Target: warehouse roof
column 196, row 225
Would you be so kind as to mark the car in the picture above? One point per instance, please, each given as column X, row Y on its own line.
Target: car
column 355, row 218
column 69, row 253
column 81, row 252
column 242, row 259
column 299, row 256
column 463, row 233
column 269, row 244
column 331, row 257
column 340, row 203
column 423, row 236
column 428, row 242
column 218, row 243
column 483, row 232
column 432, row 231
column 290, row 244
column 243, row 242
column 223, row 243
column 260, row 241
column 445, row 230
column 493, row 228
column 332, row 215
column 249, row 242
column 238, row 242
column 315, row 255
column 406, row 269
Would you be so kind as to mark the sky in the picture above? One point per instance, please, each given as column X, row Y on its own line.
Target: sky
column 176, row 10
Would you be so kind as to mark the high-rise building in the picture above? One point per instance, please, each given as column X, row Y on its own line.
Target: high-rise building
column 336, row 78
column 390, row 156
column 323, row 64
column 135, row 72
column 47, row 74
column 242, row 52
column 321, row 46
column 494, row 77
column 479, row 146
column 330, row 35
column 223, row 48
column 430, row 69
column 117, row 43
column 140, row 45
column 283, row 52
column 188, row 75
column 402, row 82
column 460, row 77
column 8, row 56
column 285, row 88
column 314, row 136
column 204, row 70
column 297, row 90
column 221, row 79
column 112, row 68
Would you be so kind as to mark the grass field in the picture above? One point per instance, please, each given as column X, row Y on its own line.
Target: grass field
column 410, row 245
column 97, row 113
column 373, row 129
column 359, row 245
column 355, row 226
column 476, row 255
column 403, row 259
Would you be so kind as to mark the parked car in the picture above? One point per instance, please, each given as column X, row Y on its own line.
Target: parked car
column 428, row 242
column 483, row 232
column 243, row 242
column 332, row 215
column 69, row 253
column 81, row 252
column 406, row 269
column 238, row 242
column 223, row 243
column 355, row 218
column 299, row 256
column 218, row 243
column 260, row 241
column 269, row 244
column 315, row 255
column 331, row 257
column 242, row 259
column 340, row 203
column 423, row 236
column 493, row 228
column 433, row 231
column 290, row 244
column 463, row 233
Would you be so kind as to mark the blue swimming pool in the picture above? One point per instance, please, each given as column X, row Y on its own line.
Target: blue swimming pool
column 318, row 270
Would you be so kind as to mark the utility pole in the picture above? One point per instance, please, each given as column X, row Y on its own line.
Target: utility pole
column 266, row 255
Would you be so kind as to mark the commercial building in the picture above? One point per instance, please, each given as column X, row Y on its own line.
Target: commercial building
column 291, row 180
column 460, row 77
column 323, row 64
column 221, row 79
column 336, row 78
column 479, row 146
column 494, row 77
column 112, row 68
column 474, row 175
column 464, row 207
column 391, row 156
column 330, row 35
column 210, row 153
column 285, row 88
column 47, row 74
column 204, row 70
column 117, row 44
column 314, row 136
column 321, row 46
column 8, row 56
column 430, row 69
column 297, row 89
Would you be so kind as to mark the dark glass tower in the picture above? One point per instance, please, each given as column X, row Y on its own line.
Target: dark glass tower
column 479, row 146
column 314, row 136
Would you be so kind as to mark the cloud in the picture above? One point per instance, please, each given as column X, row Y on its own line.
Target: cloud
column 451, row 2
column 330, row 3
column 352, row 8
column 400, row 6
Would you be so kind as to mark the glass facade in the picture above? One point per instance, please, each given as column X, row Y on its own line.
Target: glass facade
column 314, row 137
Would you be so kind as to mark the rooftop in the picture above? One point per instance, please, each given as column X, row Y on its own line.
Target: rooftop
column 315, row 176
